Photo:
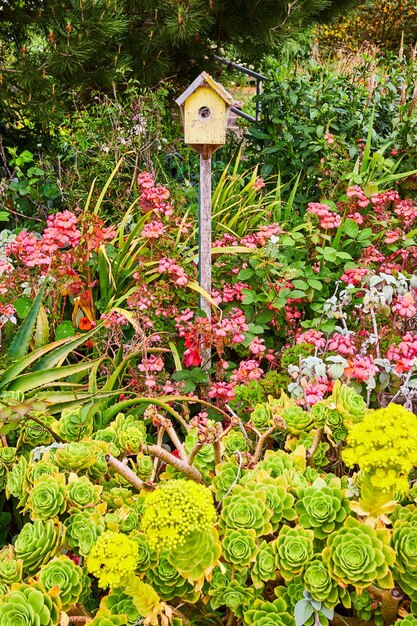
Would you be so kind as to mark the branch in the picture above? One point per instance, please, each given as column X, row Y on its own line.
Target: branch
column 194, row 453
column 390, row 599
column 79, row 619
column 168, row 427
column 54, row 435
column 261, row 442
column 169, row 458
column 316, row 442
column 124, row 471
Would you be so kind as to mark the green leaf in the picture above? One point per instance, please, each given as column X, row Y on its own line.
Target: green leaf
column 20, row 343
column 296, row 293
column 256, row 329
column 300, row 284
column 314, row 283
column 351, row 228
column 65, row 329
column 32, row 380
column 4, row 216
column 246, row 274
column 22, row 306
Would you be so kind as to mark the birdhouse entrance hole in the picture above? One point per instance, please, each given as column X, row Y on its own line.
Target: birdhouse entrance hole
column 204, row 113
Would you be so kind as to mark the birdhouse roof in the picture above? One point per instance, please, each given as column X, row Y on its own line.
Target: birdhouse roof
column 205, row 80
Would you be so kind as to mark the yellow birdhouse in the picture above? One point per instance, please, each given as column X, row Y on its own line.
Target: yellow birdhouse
column 205, row 107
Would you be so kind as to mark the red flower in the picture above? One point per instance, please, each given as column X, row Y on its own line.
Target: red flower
column 85, row 324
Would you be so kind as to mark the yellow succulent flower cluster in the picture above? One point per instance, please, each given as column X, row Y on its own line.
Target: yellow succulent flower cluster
column 113, row 559
column 384, row 445
column 176, row 509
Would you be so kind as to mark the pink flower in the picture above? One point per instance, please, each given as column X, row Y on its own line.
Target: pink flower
column 355, row 192
column 247, row 370
column 329, row 137
column 361, row 368
column 327, row 217
column 153, row 230
column 314, row 337
column 221, row 391
column 391, row 236
column 258, row 184
column 256, row 346
column 342, row 344
column 405, row 305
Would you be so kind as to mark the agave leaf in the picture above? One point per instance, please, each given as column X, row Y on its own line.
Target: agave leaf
column 32, row 380
column 20, row 343
column 60, row 353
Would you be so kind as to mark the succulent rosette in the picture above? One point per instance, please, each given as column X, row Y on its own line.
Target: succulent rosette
column 319, row 412
column 348, row 403
column 47, row 498
column 227, row 475
column 37, row 543
column 322, row 507
column 306, row 440
column 296, row 419
column 235, row 441
column 16, row 484
column 11, row 569
column 131, row 439
column 8, row 456
column 197, row 555
column 39, row 469
column 204, row 459
column 74, row 423
column 125, row 519
column 75, row 457
column 363, row 604
column 63, row 573
column 38, row 433
column 319, row 584
column 278, row 500
column 115, row 497
column 293, row 549
column 264, row 568
column 276, row 463
column 82, row 529
column 144, row 466
column 234, row 594
column 119, row 603
column 29, row 605
column 81, row 492
column 168, row 582
column 404, row 542
column 104, row 617
column 269, row 614
column 261, row 416
column 358, row 555
column 408, row 620
column 291, row 593
column 109, row 436
column 245, row 508
column 146, row 557
column 239, row 546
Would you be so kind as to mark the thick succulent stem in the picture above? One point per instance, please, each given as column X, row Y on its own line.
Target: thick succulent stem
column 390, row 600
column 170, row 430
column 194, row 453
column 314, row 446
column 125, row 471
column 79, row 619
column 182, row 466
column 261, row 442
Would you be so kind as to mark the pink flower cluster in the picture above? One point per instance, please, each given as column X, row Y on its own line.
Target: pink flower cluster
column 247, row 370
column 153, row 230
column 405, row 353
column 173, row 269
column 405, row 305
column 354, row 275
column 327, row 217
column 356, row 193
column 228, row 293
column 342, row 344
column 61, row 232
column 261, row 237
column 221, row 391
column 314, row 337
column 153, row 197
column 361, row 368
column 316, row 390
column 113, row 320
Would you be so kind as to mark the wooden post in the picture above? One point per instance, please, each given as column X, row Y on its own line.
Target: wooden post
column 204, row 245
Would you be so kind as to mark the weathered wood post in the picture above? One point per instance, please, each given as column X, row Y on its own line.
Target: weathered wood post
column 205, row 107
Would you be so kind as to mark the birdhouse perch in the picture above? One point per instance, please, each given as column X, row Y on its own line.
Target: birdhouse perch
column 205, row 107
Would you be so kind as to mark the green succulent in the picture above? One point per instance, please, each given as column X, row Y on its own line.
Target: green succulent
column 235, row 595
column 261, row 416
column 245, row 508
column 322, row 507
column 296, row 419
column 75, row 457
column 278, row 500
column 168, row 582
column 39, row 469
column 264, row 568
column 82, row 529
column 3, row 474
column 358, row 555
column 291, row 593
column 119, row 603
column 104, row 617
column 276, row 463
column 404, row 542
column 325, row 415
column 16, row 484
column 239, row 546
column 29, row 605
column 197, row 555
column 319, row 457
column 131, row 439
column 363, row 604
column 47, row 498
column 147, row 557
column 235, row 441
column 227, row 475
column 268, row 614
column 320, row 585
column 81, row 492
column 75, row 423
column 34, row 434
column 99, row 468
column 293, row 550
column 176, row 509
column 204, row 459
column 109, row 436
column 11, row 569
column 63, row 573
column 144, row 466
column 37, row 543
column 319, row 412
column 409, row 620
column 8, row 456
column 348, row 403
column 115, row 497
